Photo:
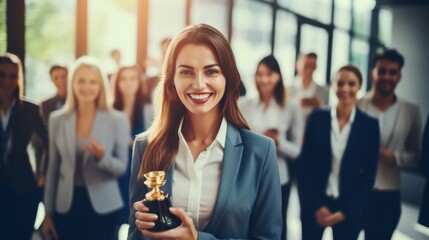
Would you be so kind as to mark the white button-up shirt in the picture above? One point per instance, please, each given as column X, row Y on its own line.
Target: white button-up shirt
column 286, row 119
column 196, row 183
column 4, row 121
column 339, row 140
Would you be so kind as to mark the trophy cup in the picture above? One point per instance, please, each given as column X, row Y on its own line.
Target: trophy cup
column 158, row 202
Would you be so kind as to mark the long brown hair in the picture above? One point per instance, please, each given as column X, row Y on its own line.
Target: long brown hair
column 137, row 117
column 279, row 89
column 163, row 139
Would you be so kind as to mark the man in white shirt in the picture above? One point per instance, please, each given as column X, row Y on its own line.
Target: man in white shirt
column 304, row 90
column 400, row 128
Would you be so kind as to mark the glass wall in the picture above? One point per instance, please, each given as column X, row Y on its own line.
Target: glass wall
column 315, row 39
column 49, row 39
column 251, row 39
column 315, row 9
column 285, row 44
column 3, row 36
column 112, row 25
column 166, row 19
column 359, row 57
column 342, row 16
column 385, row 27
column 204, row 11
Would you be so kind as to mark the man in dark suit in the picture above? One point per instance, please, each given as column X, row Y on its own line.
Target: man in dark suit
column 59, row 78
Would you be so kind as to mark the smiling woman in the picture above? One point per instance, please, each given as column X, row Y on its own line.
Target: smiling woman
column 199, row 81
column 82, row 197
column 222, row 176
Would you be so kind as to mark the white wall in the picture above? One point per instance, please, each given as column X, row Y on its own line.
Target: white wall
column 410, row 36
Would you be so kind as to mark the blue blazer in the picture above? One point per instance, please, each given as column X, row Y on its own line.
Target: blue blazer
column 357, row 170
column 248, row 204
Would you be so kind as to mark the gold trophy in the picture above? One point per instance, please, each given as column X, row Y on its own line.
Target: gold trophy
column 159, row 202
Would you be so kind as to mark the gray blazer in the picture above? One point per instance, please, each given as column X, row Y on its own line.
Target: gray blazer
column 111, row 129
column 405, row 142
column 248, row 204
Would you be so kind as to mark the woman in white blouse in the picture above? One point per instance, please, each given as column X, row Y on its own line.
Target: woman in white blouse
column 338, row 163
column 271, row 115
column 223, row 178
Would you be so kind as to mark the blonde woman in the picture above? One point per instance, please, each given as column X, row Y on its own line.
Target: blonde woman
column 88, row 151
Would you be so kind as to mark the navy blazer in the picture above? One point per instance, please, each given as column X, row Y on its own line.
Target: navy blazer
column 358, row 165
column 248, row 204
column 18, row 170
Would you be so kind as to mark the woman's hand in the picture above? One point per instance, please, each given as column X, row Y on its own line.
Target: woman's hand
column 48, row 229
column 272, row 133
column 145, row 221
column 325, row 218
column 94, row 148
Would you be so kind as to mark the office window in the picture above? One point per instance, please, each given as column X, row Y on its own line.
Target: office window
column 315, row 39
column 359, row 57
column 340, row 50
column 166, row 19
column 112, row 25
column 362, row 16
column 285, row 46
column 252, row 26
column 49, row 39
column 208, row 11
column 385, row 27
column 3, row 34
column 343, row 17
column 315, row 9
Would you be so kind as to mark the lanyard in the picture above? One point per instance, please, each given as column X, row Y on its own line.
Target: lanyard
column 5, row 134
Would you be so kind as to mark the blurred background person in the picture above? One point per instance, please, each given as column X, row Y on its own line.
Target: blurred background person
column 88, row 151
column 19, row 188
column 152, row 81
column 129, row 99
column 59, row 76
column 400, row 144
column 304, row 90
column 338, row 163
column 273, row 116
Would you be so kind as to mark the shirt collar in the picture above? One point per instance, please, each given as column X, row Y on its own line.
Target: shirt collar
column 352, row 114
column 220, row 137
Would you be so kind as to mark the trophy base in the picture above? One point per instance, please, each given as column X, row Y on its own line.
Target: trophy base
column 165, row 220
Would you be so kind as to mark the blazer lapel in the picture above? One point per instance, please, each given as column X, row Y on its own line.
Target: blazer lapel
column 231, row 164
column 70, row 134
column 399, row 122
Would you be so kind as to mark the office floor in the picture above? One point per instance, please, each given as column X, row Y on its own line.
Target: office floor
column 407, row 229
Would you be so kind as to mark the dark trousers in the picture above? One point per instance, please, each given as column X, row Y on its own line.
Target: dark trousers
column 17, row 212
column 382, row 214
column 285, row 203
column 348, row 229
column 82, row 222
